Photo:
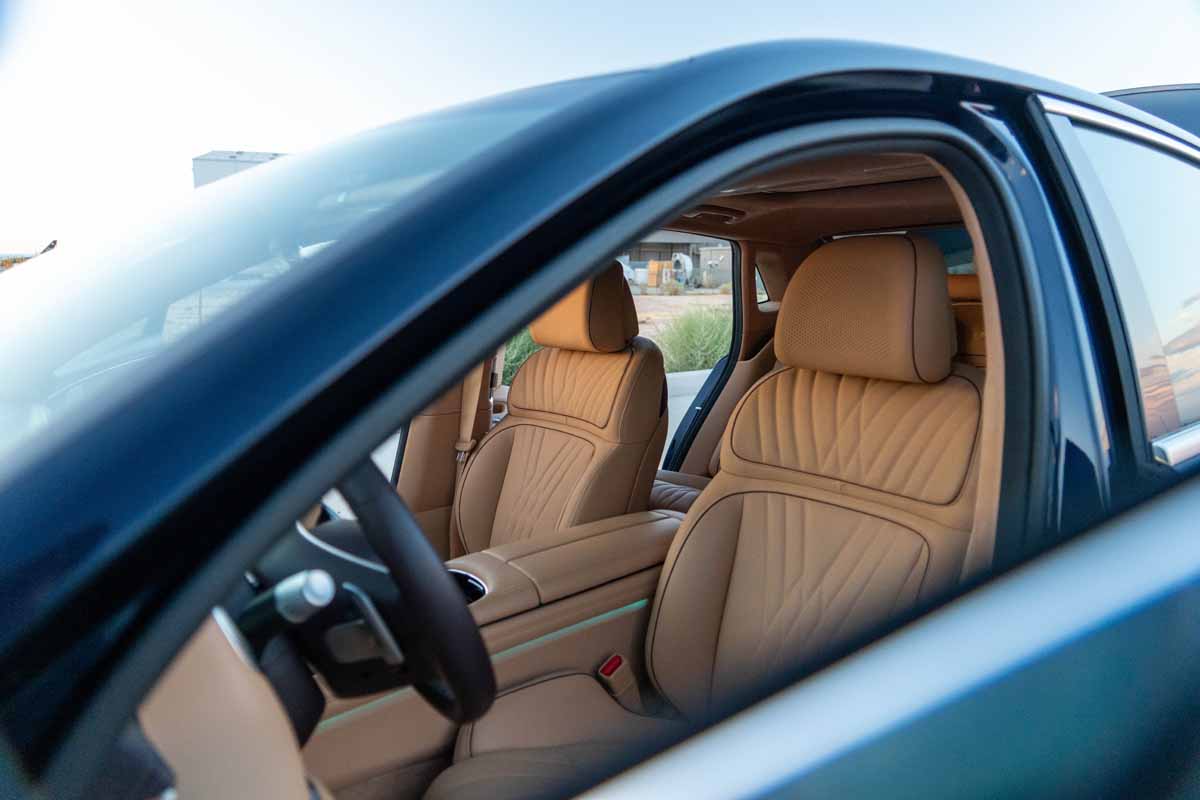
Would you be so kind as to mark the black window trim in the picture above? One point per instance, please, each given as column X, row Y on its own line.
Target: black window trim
column 1179, row 448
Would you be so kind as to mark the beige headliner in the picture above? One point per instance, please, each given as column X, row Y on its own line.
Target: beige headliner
column 799, row 204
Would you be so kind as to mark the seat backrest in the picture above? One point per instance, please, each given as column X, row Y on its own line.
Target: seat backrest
column 585, row 426
column 847, row 481
column 967, row 304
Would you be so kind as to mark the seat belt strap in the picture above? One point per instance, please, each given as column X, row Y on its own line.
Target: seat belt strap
column 471, row 387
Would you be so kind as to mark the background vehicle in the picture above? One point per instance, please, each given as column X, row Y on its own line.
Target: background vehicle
column 187, row 478
column 1178, row 105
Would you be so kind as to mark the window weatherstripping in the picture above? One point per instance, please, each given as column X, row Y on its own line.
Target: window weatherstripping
column 1100, row 119
column 1178, row 447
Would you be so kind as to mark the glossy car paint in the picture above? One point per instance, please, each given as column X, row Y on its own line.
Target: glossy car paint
column 111, row 529
column 1179, row 105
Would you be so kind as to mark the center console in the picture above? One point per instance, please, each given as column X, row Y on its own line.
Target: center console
column 563, row 601
column 524, row 575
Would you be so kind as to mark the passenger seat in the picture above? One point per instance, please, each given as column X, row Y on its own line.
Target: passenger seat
column 676, row 491
column 585, row 425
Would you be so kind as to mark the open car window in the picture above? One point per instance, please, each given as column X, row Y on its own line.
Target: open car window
column 89, row 316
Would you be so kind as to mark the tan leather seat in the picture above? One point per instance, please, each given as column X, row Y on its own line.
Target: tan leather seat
column 585, row 426
column 846, row 495
column 677, row 491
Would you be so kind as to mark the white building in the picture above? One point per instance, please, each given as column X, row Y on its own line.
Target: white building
column 219, row 164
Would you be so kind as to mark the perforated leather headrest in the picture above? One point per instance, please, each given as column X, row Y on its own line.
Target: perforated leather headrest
column 598, row 316
column 870, row 306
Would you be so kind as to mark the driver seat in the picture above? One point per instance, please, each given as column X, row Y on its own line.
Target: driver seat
column 846, row 495
column 585, row 426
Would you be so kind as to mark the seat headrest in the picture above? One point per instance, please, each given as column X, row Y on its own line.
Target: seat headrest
column 870, row 306
column 963, row 287
column 597, row 316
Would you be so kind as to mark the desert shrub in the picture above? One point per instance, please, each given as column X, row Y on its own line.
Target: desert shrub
column 673, row 288
column 696, row 339
column 518, row 349
column 726, row 288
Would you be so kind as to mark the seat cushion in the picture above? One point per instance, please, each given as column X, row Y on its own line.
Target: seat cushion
column 527, row 774
column 561, row 709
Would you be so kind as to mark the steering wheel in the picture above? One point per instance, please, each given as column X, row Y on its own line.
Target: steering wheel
column 442, row 648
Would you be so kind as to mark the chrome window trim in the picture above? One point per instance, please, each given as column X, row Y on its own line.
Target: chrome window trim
column 1101, row 119
column 1178, row 446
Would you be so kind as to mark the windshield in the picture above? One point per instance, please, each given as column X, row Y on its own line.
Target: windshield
column 80, row 321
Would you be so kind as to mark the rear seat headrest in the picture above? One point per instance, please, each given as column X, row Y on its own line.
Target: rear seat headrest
column 870, row 306
column 963, row 288
column 598, row 316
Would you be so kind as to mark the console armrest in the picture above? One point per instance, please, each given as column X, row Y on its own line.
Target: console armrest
column 522, row 575
column 577, row 559
column 508, row 590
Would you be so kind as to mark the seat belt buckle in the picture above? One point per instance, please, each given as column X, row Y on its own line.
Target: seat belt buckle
column 617, row 677
column 463, row 450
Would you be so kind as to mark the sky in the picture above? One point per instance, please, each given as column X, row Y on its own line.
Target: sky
column 107, row 103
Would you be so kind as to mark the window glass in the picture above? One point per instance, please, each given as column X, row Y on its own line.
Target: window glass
column 89, row 317
column 682, row 287
column 1152, row 199
column 760, row 288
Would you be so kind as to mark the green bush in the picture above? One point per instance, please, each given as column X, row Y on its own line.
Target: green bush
column 696, row 339
column 519, row 348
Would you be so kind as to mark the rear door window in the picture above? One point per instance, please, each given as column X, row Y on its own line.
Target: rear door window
column 1145, row 201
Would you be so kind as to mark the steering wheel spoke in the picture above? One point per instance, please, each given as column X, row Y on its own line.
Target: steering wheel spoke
column 443, row 652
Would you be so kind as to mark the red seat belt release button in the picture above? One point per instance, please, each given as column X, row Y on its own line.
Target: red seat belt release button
column 618, row 678
column 611, row 665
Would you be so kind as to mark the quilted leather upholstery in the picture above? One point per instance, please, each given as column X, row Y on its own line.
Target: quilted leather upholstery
column 901, row 438
column 584, row 430
column 550, row 382
column 842, row 499
column 798, row 588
